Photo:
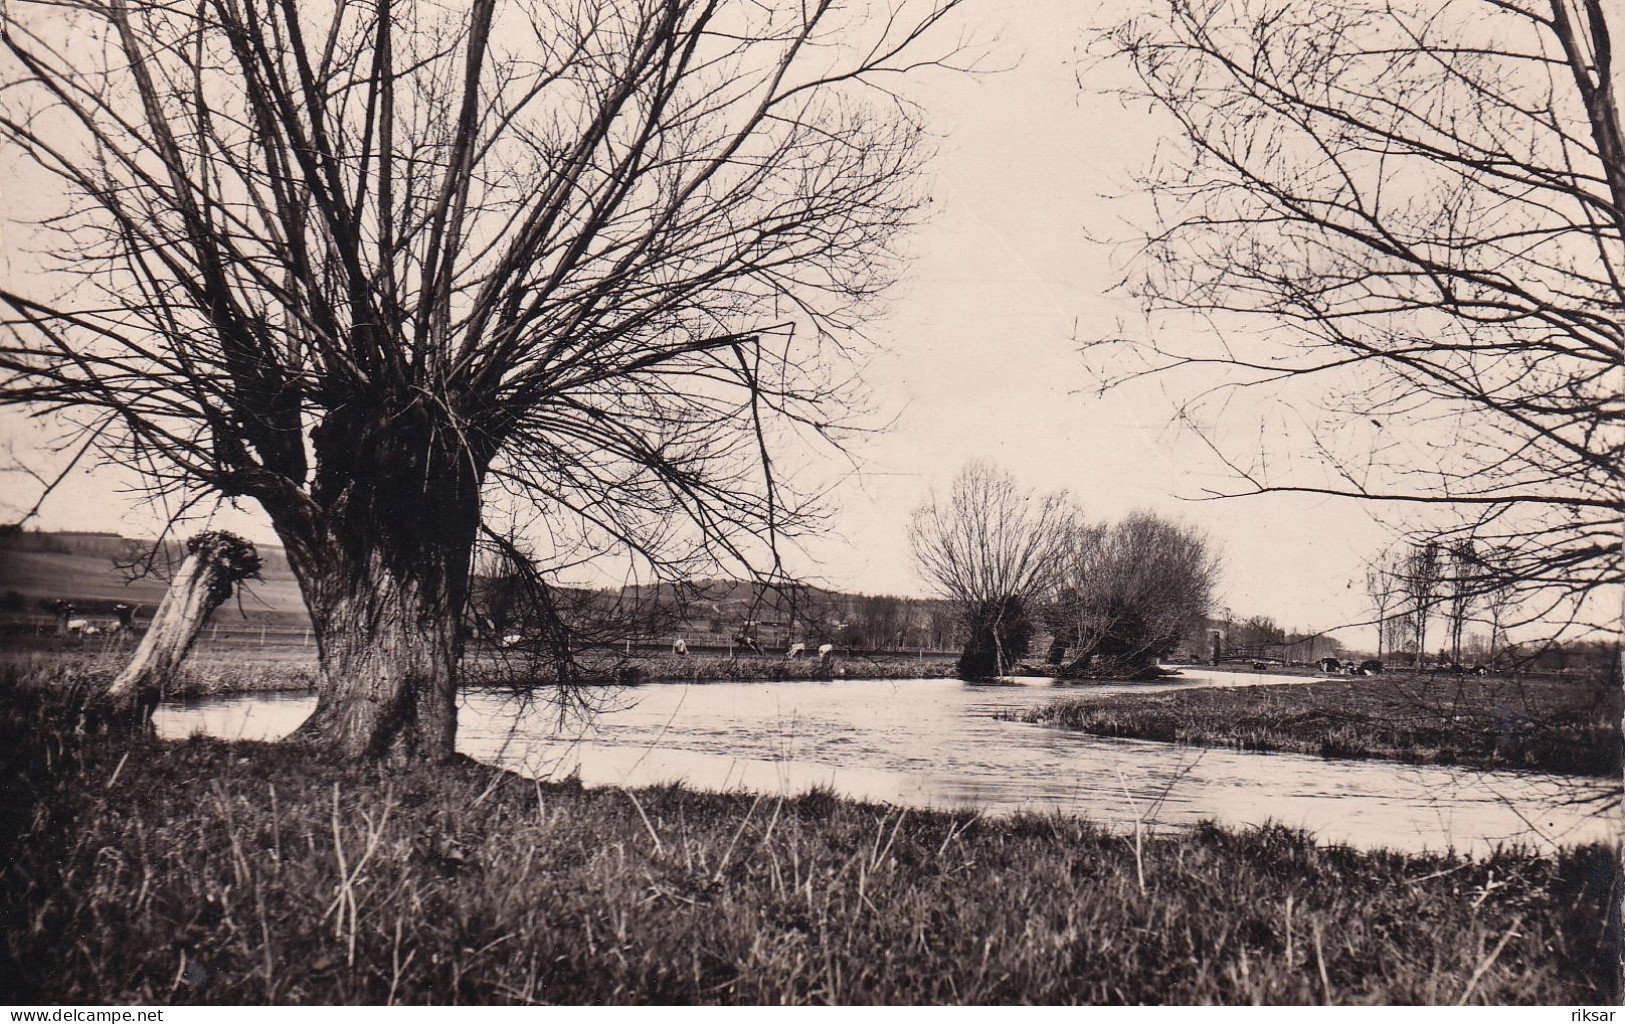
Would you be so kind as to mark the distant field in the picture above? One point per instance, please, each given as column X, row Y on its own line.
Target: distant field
column 94, row 583
column 237, row 662
column 81, row 578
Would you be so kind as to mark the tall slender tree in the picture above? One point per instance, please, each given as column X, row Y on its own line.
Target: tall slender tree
column 375, row 266
column 1464, row 586
column 1382, row 585
column 1422, row 572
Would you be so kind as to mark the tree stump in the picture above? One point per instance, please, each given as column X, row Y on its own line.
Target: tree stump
column 215, row 563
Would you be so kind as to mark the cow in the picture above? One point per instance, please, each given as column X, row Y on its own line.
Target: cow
column 679, row 647
column 795, row 651
column 825, row 652
column 65, row 611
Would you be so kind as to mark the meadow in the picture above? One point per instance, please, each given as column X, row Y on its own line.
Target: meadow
column 1563, row 726
column 139, row 871
column 223, row 669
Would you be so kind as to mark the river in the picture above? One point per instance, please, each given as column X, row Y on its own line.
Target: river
column 939, row 743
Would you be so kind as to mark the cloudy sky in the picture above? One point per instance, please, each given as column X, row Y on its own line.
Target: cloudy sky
column 979, row 354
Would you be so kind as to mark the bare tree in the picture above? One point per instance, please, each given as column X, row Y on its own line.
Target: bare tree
column 1383, row 587
column 1425, row 203
column 1464, row 585
column 1500, row 598
column 992, row 548
column 377, row 266
column 216, row 563
column 1420, row 578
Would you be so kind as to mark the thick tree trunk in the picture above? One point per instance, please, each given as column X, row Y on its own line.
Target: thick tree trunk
column 383, row 563
column 999, row 635
column 388, row 664
column 214, row 564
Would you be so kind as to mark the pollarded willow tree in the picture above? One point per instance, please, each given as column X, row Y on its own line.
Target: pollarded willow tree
column 1404, row 220
column 375, row 265
column 993, row 549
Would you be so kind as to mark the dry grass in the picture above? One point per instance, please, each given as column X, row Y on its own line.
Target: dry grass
column 1546, row 725
column 203, row 674
column 203, row 871
column 211, row 671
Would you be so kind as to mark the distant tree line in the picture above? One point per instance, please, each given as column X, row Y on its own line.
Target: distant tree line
column 1424, row 592
column 516, row 608
column 1262, row 636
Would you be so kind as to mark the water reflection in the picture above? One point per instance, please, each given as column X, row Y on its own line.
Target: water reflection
column 937, row 743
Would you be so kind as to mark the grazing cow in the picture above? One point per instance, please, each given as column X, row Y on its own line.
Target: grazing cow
column 64, row 615
column 795, row 650
column 1331, row 666
column 81, row 627
column 679, row 647
column 825, row 651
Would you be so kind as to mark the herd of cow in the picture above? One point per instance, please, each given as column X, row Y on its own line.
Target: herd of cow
column 1334, row 667
column 679, row 647
column 1372, row 667
column 70, row 623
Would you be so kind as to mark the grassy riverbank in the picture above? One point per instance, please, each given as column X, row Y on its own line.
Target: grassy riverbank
column 1547, row 725
column 203, row 674
column 701, row 668
column 211, row 673
column 202, row 871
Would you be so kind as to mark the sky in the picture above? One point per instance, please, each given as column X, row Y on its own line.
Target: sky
column 978, row 355
column 1013, row 271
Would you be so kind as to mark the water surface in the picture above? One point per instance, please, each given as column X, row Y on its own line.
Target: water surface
column 938, row 743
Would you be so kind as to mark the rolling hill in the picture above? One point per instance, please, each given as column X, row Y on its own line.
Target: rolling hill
column 91, row 570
